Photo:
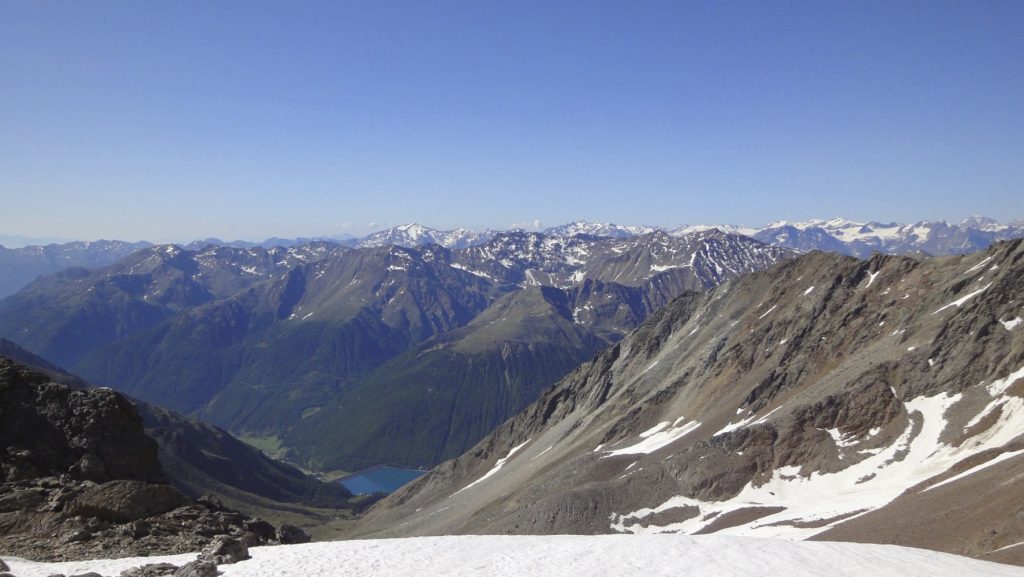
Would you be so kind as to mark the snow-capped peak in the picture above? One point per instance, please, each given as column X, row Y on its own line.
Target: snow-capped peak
column 605, row 229
column 415, row 234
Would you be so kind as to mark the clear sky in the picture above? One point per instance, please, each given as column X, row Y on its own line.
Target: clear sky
column 174, row 120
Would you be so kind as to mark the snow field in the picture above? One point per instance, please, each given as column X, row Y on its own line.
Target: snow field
column 572, row 556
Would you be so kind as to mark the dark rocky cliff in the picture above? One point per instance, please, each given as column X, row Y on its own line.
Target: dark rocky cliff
column 79, row 478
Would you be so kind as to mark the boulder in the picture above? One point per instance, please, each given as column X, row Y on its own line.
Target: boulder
column 224, row 550
column 126, row 501
column 291, row 535
column 151, row 570
column 198, row 568
column 21, row 500
column 262, row 530
column 89, row 468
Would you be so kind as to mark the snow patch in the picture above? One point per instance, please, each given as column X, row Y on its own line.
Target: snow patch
column 649, row 367
column 1011, row 324
column 657, row 437
column 978, row 266
column 999, row 459
column 745, row 422
column 497, row 467
column 960, row 301
column 871, row 278
column 535, row 457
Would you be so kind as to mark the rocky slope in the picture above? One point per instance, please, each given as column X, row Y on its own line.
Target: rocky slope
column 80, row 479
column 826, row 398
column 201, row 460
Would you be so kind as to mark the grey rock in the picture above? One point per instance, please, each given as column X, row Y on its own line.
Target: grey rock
column 77, row 535
column 19, row 500
column 52, row 440
column 126, row 501
column 225, row 550
column 151, row 570
column 212, row 502
column 262, row 530
column 291, row 535
column 47, row 429
column 198, row 568
column 90, row 468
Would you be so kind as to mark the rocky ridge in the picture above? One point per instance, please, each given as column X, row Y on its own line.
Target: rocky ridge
column 80, row 479
column 200, row 460
column 869, row 400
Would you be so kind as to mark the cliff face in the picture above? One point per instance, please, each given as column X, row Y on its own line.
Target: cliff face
column 828, row 397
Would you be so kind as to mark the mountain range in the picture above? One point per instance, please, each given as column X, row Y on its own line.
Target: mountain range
column 698, row 383
column 289, row 343
column 21, row 265
column 825, row 398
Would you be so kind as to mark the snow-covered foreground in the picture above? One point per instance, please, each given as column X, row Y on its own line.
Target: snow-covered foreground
column 566, row 556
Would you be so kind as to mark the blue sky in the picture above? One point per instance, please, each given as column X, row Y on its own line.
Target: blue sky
column 172, row 120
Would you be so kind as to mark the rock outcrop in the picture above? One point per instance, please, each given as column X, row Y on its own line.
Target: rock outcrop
column 81, row 479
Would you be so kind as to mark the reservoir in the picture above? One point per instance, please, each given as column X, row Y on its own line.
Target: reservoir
column 379, row 479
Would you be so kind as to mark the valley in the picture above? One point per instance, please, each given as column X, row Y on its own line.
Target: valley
column 290, row 343
column 704, row 383
column 485, row 289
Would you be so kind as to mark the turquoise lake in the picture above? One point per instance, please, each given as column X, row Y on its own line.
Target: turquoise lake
column 380, row 479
